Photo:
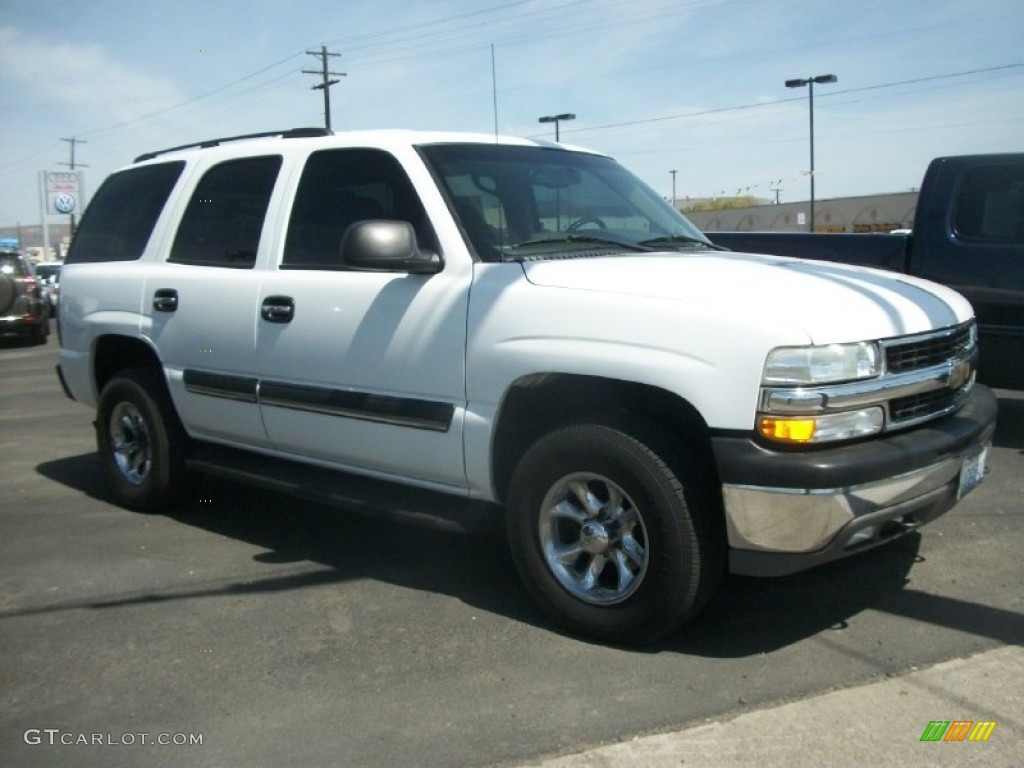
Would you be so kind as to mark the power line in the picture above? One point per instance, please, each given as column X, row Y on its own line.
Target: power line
column 829, row 94
column 795, row 176
column 536, row 25
column 354, row 41
column 194, row 99
column 25, row 160
column 73, row 141
column 922, row 79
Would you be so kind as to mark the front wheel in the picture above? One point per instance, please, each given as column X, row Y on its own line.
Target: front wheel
column 610, row 539
column 141, row 442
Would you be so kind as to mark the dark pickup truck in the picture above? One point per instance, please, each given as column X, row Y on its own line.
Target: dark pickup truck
column 968, row 234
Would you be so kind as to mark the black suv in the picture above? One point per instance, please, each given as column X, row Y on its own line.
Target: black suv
column 24, row 310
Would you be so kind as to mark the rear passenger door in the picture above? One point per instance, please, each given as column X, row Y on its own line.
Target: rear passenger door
column 363, row 370
column 201, row 304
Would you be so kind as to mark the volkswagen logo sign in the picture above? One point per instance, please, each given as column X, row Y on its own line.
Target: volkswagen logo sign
column 64, row 203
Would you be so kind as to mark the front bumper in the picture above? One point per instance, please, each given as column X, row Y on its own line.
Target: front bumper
column 787, row 510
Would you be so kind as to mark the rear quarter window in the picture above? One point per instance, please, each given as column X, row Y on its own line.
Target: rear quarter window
column 13, row 265
column 119, row 221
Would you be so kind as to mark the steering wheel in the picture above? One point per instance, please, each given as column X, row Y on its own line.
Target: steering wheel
column 584, row 220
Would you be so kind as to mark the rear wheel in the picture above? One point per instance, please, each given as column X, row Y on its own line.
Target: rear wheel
column 141, row 442
column 610, row 539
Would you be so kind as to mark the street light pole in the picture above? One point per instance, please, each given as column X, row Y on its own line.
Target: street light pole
column 556, row 119
column 673, row 172
column 809, row 82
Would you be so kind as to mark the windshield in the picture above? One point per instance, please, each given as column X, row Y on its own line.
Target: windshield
column 520, row 202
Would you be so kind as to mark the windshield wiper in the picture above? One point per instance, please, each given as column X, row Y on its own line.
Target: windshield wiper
column 681, row 240
column 576, row 237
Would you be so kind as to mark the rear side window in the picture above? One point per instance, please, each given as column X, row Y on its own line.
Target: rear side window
column 990, row 204
column 120, row 219
column 223, row 221
column 13, row 265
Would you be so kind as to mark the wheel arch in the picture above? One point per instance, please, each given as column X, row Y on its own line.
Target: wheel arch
column 114, row 352
column 536, row 404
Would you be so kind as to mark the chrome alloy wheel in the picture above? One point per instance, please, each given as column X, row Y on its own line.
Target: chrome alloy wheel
column 593, row 539
column 130, row 443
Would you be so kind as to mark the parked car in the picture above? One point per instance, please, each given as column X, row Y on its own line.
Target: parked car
column 968, row 234
column 49, row 274
column 484, row 328
column 24, row 310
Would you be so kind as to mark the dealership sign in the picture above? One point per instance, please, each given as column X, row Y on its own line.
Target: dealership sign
column 63, row 191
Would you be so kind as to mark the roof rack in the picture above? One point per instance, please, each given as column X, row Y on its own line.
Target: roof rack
column 290, row 133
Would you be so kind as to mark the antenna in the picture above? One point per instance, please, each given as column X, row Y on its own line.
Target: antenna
column 494, row 90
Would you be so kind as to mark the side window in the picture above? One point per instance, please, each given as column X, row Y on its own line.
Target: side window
column 223, row 221
column 990, row 204
column 119, row 220
column 340, row 187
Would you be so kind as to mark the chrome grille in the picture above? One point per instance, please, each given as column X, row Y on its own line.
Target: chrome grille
column 925, row 404
column 934, row 350
column 926, row 376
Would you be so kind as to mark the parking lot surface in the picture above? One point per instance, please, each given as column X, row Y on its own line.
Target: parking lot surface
column 284, row 633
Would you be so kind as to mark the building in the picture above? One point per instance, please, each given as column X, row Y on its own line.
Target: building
column 871, row 213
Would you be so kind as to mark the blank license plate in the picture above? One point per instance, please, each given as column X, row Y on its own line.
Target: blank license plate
column 971, row 472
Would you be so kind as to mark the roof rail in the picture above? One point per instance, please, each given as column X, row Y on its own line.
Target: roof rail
column 289, row 133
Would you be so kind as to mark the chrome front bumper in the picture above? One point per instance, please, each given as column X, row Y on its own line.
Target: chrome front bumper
column 797, row 510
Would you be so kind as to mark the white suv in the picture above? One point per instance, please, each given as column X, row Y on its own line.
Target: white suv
column 454, row 325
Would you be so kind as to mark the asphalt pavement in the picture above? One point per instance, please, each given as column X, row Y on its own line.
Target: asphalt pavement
column 286, row 633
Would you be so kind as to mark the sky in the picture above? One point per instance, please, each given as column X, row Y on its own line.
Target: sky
column 695, row 86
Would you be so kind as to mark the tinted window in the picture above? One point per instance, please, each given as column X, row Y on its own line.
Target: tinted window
column 223, row 221
column 990, row 204
column 340, row 187
column 13, row 265
column 119, row 220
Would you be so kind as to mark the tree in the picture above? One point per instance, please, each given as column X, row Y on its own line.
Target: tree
column 722, row 203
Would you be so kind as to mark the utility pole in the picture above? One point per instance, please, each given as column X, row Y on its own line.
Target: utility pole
column 73, row 140
column 673, row 172
column 326, row 82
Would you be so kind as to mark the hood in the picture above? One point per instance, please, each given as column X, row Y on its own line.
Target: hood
column 832, row 302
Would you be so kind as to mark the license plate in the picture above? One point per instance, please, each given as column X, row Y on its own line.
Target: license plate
column 972, row 470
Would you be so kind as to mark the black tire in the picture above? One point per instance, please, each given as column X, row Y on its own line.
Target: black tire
column 8, row 293
column 141, row 442
column 649, row 535
column 42, row 333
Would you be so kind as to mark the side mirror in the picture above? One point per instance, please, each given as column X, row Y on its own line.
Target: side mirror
column 379, row 245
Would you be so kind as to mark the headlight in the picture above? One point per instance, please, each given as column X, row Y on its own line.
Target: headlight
column 822, row 365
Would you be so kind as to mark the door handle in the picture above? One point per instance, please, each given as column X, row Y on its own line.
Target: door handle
column 278, row 309
column 165, row 300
